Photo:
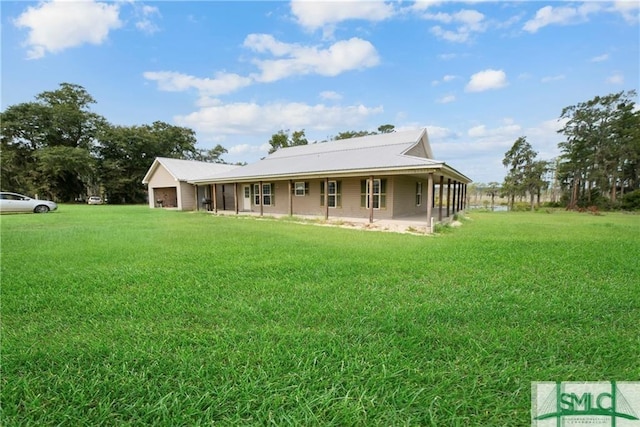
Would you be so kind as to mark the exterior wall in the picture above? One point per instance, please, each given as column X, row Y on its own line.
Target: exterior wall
column 311, row 203
column 161, row 179
column 404, row 189
column 186, row 196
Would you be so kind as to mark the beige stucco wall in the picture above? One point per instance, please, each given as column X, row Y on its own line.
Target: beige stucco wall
column 161, row 180
column 405, row 200
column 310, row 204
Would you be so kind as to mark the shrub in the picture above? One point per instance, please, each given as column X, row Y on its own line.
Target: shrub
column 631, row 201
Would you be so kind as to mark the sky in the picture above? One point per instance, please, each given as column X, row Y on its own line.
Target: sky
column 476, row 74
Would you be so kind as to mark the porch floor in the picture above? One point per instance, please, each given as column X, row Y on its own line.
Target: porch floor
column 408, row 224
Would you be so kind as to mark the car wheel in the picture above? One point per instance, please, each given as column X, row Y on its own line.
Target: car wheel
column 41, row 209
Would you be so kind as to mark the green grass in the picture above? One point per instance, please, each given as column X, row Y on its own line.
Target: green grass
column 131, row 316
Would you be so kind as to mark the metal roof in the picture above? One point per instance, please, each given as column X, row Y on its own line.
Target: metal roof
column 187, row 170
column 397, row 151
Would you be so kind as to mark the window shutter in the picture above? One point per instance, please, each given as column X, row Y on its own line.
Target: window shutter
column 338, row 194
column 363, row 193
column 273, row 193
column 383, row 193
column 321, row 193
column 306, row 188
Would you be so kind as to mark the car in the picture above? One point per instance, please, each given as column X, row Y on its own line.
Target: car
column 94, row 200
column 14, row 202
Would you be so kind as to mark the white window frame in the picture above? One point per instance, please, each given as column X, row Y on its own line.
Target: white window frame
column 334, row 194
column 300, row 186
column 267, row 193
column 256, row 194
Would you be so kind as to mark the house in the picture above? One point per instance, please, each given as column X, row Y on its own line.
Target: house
column 384, row 176
column 168, row 181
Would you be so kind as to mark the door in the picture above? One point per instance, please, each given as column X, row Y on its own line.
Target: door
column 246, row 200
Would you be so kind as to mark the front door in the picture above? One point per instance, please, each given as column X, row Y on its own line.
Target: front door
column 246, row 200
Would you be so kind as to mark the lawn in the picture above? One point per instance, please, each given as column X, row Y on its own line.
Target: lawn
column 124, row 315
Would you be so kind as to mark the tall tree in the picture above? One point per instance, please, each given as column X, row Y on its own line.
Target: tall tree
column 601, row 146
column 31, row 133
column 125, row 153
column 519, row 161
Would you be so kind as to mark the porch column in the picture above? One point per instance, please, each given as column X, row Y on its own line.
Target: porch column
column 290, row 197
column 454, row 204
column 441, row 190
column 448, row 194
column 261, row 199
column 215, row 198
column 326, row 199
column 197, row 203
column 235, row 196
column 429, row 201
column 370, row 199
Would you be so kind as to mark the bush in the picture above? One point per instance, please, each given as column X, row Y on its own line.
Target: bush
column 631, row 201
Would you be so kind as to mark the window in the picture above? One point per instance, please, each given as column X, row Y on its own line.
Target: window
column 301, row 188
column 256, row 194
column 334, row 195
column 267, row 194
column 418, row 193
column 379, row 193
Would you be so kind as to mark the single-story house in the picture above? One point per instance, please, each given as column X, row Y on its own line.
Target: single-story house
column 168, row 182
column 383, row 176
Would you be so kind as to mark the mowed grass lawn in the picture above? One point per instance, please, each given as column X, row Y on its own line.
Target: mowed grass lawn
column 123, row 315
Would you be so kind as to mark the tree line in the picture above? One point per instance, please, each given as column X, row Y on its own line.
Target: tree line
column 599, row 161
column 57, row 148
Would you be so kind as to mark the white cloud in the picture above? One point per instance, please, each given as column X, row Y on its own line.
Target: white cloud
column 600, row 58
column 145, row 15
column 468, row 21
column 563, row 15
column 446, row 99
column 341, row 56
column 330, row 95
column 59, row 25
column 486, row 80
column 615, row 79
column 553, row 78
column 252, row 118
column 628, row 9
column 171, row 81
column 313, row 15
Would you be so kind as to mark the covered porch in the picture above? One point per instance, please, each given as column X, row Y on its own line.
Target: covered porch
column 439, row 197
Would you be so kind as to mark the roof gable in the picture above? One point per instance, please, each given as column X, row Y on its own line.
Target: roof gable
column 187, row 170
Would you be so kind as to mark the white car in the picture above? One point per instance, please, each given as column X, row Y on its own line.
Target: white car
column 94, row 200
column 13, row 202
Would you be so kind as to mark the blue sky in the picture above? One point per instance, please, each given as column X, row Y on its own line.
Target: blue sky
column 476, row 74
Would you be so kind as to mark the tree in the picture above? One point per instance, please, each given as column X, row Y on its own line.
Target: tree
column 213, row 155
column 519, row 161
column 492, row 189
column 36, row 134
column 600, row 153
column 125, row 153
column 283, row 140
column 386, row 128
